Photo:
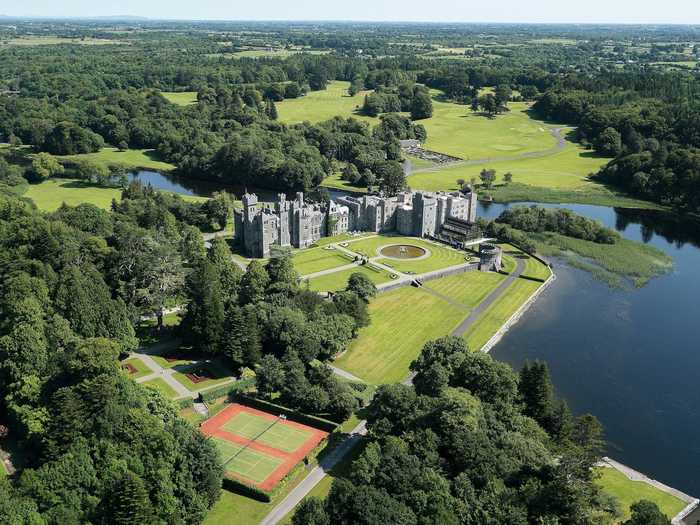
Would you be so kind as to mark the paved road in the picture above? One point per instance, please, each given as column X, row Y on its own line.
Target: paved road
column 317, row 474
column 556, row 133
column 490, row 299
column 343, row 373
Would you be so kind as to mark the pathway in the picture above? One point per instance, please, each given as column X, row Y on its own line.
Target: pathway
column 342, row 373
column 299, row 492
column 556, row 133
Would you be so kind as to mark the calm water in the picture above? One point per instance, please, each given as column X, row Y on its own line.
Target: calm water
column 630, row 357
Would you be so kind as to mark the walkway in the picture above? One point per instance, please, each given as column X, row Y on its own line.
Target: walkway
column 317, row 474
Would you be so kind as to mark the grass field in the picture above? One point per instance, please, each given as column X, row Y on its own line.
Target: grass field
column 266, row 431
column 129, row 159
column 499, row 312
column 335, row 182
column 440, row 255
column 246, row 462
column 141, row 367
column 568, row 168
column 217, row 373
column 628, row 492
column 335, row 281
column 163, row 387
column 50, row 194
column 403, row 321
column 181, row 98
column 318, row 106
column 468, row 288
column 313, row 260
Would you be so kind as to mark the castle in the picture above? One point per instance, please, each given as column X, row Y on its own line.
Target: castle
column 448, row 216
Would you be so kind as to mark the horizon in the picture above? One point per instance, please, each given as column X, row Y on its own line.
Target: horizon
column 546, row 12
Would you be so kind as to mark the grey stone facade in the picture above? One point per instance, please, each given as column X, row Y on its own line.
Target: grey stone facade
column 298, row 224
column 490, row 257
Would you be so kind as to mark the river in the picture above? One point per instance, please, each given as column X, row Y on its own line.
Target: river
column 627, row 356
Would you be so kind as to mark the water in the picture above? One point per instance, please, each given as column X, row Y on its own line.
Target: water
column 630, row 357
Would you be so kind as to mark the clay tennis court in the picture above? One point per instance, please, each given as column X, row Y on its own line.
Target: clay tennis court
column 257, row 447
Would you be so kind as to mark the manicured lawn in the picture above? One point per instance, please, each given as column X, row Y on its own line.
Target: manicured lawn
column 418, row 163
column 440, row 255
column 403, row 321
column 499, row 312
column 130, row 159
column 534, row 268
column 313, row 260
column 182, row 98
column 50, row 194
column 163, row 387
column 469, row 288
column 234, row 508
column 568, row 168
column 141, row 368
column 165, row 363
column 628, row 492
column 335, row 281
column 217, row 373
column 317, row 106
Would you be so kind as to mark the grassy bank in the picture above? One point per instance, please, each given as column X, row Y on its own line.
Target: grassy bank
column 129, row 159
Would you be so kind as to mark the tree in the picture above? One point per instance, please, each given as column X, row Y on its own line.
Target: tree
column 89, row 171
column 392, row 177
column 310, row 512
column 422, row 106
column 646, row 512
column 361, row 285
column 203, row 323
column 122, row 146
column 130, row 503
column 609, row 142
column 270, row 376
column 503, row 92
column 355, row 87
column 351, row 304
column 219, row 208
column 488, row 177
column 271, row 109
column 44, row 166
column 280, row 268
column 254, row 283
column 508, row 178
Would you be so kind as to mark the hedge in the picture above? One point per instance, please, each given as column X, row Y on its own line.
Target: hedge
column 226, row 390
column 185, row 402
column 244, row 489
column 292, row 415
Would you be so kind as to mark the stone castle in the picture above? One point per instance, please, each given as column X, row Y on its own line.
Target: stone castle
column 446, row 216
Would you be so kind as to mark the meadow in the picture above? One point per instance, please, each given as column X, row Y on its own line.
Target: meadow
column 129, row 159
column 318, row 106
column 628, row 492
column 181, row 98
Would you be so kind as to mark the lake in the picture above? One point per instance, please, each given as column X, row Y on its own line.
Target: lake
column 627, row 356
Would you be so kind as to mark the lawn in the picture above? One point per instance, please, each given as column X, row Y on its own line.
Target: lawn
column 627, row 492
column 164, row 388
column 535, row 269
column 215, row 373
column 141, row 368
column 312, row 260
column 246, row 462
column 334, row 182
column 440, row 255
column 402, row 321
column 336, row 281
column 50, row 194
column 273, row 433
column 129, row 159
column 469, row 288
column 172, row 360
column 490, row 321
column 567, row 168
column 317, row 106
column 181, row 98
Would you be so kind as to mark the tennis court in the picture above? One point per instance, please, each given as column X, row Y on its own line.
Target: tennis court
column 257, row 447
column 267, row 430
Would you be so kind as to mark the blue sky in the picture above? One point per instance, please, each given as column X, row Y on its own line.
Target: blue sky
column 589, row 11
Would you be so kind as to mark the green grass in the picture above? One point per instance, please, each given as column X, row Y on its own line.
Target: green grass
column 625, row 259
column 162, row 361
column 274, row 433
column 402, row 321
column 163, row 387
column 141, row 368
column 181, row 98
column 129, row 159
column 628, row 492
column 334, row 181
column 535, row 269
column 251, row 464
column 568, row 168
column 469, row 288
column 318, row 106
column 419, row 163
column 499, row 312
column 440, row 255
column 217, row 373
column 313, row 260
column 50, row 194
column 336, row 281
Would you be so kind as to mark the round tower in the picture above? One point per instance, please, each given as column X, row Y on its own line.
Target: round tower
column 490, row 257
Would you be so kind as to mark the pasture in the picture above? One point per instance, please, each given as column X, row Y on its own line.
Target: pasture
column 317, row 106
column 257, row 447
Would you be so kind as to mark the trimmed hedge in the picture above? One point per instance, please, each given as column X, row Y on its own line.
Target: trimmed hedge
column 227, row 390
column 305, row 419
column 246, row 490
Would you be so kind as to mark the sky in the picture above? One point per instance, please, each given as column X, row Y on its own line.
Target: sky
column 524, row 11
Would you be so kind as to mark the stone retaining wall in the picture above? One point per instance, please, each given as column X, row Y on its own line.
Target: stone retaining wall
column 435, row 274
